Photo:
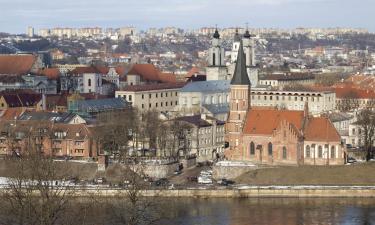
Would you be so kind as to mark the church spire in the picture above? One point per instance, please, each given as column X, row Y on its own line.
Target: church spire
column 240, row 76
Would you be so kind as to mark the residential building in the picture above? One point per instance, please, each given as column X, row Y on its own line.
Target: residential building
column 25, row 100
column 54, row 139
column 206, row 136
column 162, row 97
column 147, row 74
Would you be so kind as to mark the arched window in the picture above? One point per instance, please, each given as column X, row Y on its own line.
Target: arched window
column 220, row 99
column 252, row 148
column 320, row 151
column 270, row 148
column 214, row 59
column 212, row 100
column 308, row 153
column 285, row 154
column 333, row 152
column 89, row 82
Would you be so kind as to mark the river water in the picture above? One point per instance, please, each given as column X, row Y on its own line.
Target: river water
column 272, row 211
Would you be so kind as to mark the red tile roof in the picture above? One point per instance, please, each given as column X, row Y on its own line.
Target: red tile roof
column 149, row 72
column 11, row 113
column 354, row 93
column 16, row 64
column 51, row 73
column 149, row 87
column 265, row 121
column 321, row 129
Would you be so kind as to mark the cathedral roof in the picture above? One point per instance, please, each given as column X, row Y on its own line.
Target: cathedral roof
column 240, row 76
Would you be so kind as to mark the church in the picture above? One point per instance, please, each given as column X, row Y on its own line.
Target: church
column 276, row 137
column 217, row 69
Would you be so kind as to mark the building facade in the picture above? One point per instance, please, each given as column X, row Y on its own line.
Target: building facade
column 162, row 97
column 277, row 137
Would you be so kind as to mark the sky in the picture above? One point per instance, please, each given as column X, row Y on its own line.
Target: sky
column 17, row 15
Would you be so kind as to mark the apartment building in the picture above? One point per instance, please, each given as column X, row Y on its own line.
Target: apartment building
column 162, row 97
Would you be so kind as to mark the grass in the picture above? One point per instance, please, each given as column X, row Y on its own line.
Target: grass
column 360, row 174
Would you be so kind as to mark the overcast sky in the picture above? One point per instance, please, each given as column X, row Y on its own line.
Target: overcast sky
column 16, row 15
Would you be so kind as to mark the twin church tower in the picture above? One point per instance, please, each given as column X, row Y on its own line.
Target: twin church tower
column 218, row 70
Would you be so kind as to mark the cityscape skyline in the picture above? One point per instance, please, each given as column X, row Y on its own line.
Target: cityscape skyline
column 19, row 14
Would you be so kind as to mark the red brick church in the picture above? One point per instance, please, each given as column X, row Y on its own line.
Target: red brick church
column 273, row 136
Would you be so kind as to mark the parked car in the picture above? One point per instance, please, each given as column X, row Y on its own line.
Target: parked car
column 161, row 182
column 225, row 182
column 177, row 172
column 100, row 180
column 204, row 180
column 351, row 160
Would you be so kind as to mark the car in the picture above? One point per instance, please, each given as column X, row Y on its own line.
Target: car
column 351, row 160
column 177, row 172
column 161, row 182
column 100, row 180
column 204, row 180
column 225, row 182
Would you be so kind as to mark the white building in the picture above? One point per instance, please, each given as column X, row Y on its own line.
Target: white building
column 92, row 83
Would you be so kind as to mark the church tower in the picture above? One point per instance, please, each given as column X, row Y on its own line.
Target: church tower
column 249, row 49
column 240, row 88
column 235, row 46
column 216, row 69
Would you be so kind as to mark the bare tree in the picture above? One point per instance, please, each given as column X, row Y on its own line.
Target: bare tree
column 130, row 206
column 115, row 130
column 366, row 122
column 36, row 194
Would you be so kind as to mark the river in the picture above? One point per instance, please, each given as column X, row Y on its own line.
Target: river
column 264, row 211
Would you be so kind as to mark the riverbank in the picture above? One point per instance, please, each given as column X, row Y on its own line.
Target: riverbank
column 241, row 191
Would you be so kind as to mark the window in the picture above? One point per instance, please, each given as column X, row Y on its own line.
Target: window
column 285, row 153
column 149, row 95
column 143, row 106
column 156, row 95
column 270, row 148
column 161, row 94
column 156, row 105
column 161, row 104
column 320, row 152
column 176, row 102
column 143, row 96
column 176, row 94
column 333, row 152
column 149, row 105
column 166, row 103
column 130, row 98
column 308, row 153
column 89, row 82
column 252, row 148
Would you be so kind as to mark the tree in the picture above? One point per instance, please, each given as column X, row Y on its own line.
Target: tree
column 115, row 130
column 366, row 122
column 130, row 206
column 36, row 194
